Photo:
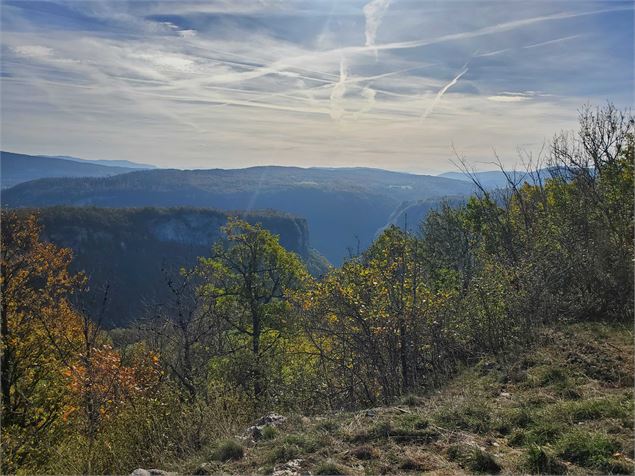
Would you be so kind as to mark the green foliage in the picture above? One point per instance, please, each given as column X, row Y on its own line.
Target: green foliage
column 247, row 280
column 228, row 450
column 269, row 432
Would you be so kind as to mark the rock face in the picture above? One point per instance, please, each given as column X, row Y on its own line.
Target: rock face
column 128, row 249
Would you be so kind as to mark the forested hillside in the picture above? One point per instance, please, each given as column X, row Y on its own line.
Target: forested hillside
column 132, row 253
column 344, row 207
column 494, row 338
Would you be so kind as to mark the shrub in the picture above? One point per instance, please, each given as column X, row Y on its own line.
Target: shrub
column 269, row 432
column 228, row 450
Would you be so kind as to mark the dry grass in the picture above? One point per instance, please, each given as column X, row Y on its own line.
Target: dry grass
column 514, row 417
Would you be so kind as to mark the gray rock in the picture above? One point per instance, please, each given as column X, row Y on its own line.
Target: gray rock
column 254, row 432
column 290, row 468
column 273, row 419
column 140, row 472
column 149, row 472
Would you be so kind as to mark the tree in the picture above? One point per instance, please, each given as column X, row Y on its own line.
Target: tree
column 247, row 279
column 39, row 332
column 186, row 331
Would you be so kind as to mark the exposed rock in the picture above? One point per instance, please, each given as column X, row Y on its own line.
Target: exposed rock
column 273, row 419
column 202, row 470
column 140, row 472
column 254, row 432
column 149, row 472
column 290, row 468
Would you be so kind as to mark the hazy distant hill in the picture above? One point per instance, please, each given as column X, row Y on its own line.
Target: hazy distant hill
column 495, row 178
column 410, row 214
column 110, row 163
column 341, row 206
column 19, row 168
column 127, row 248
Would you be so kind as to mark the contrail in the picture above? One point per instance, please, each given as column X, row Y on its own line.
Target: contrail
column 292, row 62
column 374, row 12
column 551, row 42
column 337, row 109
column 440, row 94
column 369, row 94
column 492, row 53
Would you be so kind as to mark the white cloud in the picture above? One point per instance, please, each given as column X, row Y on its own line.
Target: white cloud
column 33, row 51
column 507, row 98
column 244, row 88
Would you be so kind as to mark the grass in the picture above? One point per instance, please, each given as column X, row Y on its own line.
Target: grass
column 588, row 449
column 269, row 432
column 282, row 453
column 540, row 460
column 474, row 459
column 228, row 450
column 470, row 416
column 328, row 468
column 538, row 413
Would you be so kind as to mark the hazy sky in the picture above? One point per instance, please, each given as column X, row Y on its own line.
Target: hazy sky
column 382, row 83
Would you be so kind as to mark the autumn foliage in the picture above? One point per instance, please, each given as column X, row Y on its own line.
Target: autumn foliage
column 248, row 331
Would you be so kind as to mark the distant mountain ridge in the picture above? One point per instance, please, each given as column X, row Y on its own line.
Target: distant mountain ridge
column 496, row 178
column 20, row 168
column 109, row 163
column 344, row 207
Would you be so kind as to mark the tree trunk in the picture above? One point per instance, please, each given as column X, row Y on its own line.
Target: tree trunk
column 5, row 366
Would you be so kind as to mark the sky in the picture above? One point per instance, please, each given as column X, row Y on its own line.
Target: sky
column 396, row 84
